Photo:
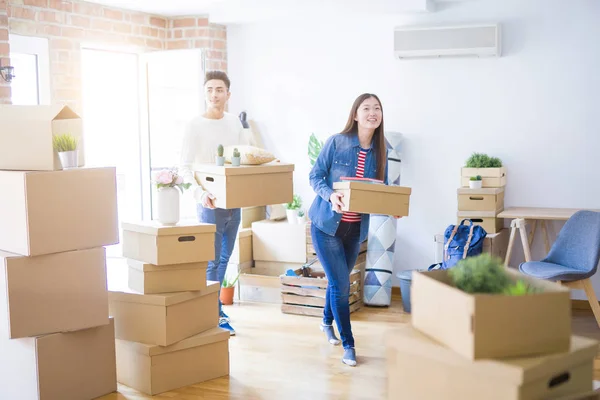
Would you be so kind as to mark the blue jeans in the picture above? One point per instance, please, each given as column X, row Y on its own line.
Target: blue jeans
column 338, row 255
column 227, row 222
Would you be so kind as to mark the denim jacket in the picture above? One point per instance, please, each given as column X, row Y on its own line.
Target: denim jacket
column 338, row 158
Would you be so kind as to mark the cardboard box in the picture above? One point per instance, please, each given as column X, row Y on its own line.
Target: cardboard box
column 486, row 219
column 273, row 268
column 156, row 369
column 259, row 288
column 371, row 198
column 492, row 326
column 495, row 244
column 279, row 241
column 247, row 185
column 242, row 250
column 491, row 177
column 52, row 293
column 26, row 136
column 164, row 318
column 154, row 243
column 57, row 211
column 148, row 278
column 60, row 366
column 486, row 199
column 252, row 214
column 413, row 359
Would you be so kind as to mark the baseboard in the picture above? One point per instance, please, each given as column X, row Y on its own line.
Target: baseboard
column 581, row 305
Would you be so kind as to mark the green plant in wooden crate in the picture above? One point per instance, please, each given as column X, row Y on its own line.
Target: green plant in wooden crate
column 520, row 288
column 482, row 160
column 314, row 149
column 295, row 204
column 64, row 142
column 476, row 178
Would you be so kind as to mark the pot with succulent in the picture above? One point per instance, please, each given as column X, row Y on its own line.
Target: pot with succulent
column 301, row 217
column 291, row 209
column 168, row 184
column 66, row 147
column 475, row 182
column 228, row 289
column 236, row 158
column 220, row 159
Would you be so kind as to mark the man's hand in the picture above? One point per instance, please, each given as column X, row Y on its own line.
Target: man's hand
column 336, row 202
column 208, row 200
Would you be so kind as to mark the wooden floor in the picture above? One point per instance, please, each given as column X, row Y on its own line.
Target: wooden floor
column 279, row 356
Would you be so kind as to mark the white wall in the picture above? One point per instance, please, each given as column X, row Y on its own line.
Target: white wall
column 537, row 107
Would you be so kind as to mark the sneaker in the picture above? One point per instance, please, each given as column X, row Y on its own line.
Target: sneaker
column 331, row 338
column 225, row 325
column 223, row 316
column 349, row 357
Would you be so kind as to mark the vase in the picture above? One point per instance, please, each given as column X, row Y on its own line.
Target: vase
column 291, row 216
column 68, row 159
column 168, row 206
column 226, row 295
column 475, row 184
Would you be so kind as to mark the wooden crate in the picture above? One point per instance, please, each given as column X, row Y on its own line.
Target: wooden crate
column 305, row 295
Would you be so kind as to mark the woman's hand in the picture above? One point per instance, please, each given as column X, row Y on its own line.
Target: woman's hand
column 397, row 216
column 336, row 202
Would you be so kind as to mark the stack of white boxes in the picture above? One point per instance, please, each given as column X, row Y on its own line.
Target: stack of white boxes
column 56, row 338
column 166, row 313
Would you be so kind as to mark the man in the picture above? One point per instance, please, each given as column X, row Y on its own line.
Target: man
column 203, row 134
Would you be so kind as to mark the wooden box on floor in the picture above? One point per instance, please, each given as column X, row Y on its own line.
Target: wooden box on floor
column 486, row 219
column 148, row 278
column 306, row 295
column 490, row 177
column 372, row 198
column 60, row 366
column 165, row 318
column 413, row 358
column 153, row 243
column 259, row 288
column 247, row 185
column 156, row 369
column 52, row 293
column 57, row 211
column 492, row 326
column 486, row 199
column 495, row 244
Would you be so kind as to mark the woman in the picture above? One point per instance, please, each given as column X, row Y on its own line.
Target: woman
column 358, row 151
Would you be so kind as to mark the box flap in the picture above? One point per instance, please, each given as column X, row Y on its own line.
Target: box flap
column 38, row 112
column 142, row 266
column 211, row 336
column 477, row 214
column 374, row 187
column 184, row 227
column 481, row 191
column 408, row 340
column 244, row 232
column 228, row 170
column 126, row 295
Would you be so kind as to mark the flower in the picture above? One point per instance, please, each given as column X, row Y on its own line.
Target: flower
column 178, row 180
column 165, row 177
column 168, row 178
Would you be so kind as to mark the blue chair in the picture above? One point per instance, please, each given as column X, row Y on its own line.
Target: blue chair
column 573, row 258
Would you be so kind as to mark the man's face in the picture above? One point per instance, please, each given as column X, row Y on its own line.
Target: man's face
column 216, row 93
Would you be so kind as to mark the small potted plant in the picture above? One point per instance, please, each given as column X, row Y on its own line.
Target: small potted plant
column 66, row 147
column 228, row 290
column 220, row 158
column 236, row 158
column 475, row 182
column 168, row 183
column 301, row 217
column 291, row 209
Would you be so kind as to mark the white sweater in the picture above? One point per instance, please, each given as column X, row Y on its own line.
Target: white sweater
column 200, row 141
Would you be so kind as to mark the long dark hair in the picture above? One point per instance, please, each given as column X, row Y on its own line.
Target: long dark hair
column 378, row 137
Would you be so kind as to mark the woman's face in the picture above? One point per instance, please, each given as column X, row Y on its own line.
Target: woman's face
column 369, row 114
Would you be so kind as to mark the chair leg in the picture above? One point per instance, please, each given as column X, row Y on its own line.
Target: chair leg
column 591, row 296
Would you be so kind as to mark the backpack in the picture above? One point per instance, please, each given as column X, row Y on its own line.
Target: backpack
column 461, row 241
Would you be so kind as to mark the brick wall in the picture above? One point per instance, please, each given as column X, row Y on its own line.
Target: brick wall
column 4, row 51
column 69, row 23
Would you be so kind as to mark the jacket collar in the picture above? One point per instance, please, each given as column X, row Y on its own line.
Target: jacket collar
column 355, row 142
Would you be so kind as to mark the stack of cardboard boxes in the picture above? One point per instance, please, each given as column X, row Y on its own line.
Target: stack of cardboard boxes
column 166, row 314
column 56, row 338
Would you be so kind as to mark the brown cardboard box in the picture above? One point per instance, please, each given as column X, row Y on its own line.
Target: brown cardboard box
column 252, row 214
column 57, row 211
column 26, row 136
column 492, row 326
column 165, row 318
column 242, row 250
column 486, row 199
column 60, row 366
column 373, row 198
column 279, row 241
column 588, row 395
column 148, row 278
column 247, row 185
column 491, row 177
column 259, row 288
column 156, row 369
column 413, row 359
column 495, row 244
column 154, row 243
column 273, row 268
column 486, row 219
column 52, row 293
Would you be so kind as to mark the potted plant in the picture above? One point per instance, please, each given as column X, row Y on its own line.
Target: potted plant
column 291, row 209
column 66, row 147
column 475, row 182
column 483, row 165
column 236, row 158
column 168, row 183
column 228, row 290
column 220, row 159
column 314, row 148
column 301, row 217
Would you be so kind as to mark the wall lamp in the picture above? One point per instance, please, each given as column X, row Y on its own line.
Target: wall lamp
column 7, row 72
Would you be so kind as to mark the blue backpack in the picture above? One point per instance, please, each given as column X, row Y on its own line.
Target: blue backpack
column 461, row 241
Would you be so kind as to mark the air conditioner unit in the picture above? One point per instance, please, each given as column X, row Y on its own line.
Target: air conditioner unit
column 447, row 41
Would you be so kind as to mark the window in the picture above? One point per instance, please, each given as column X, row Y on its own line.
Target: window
column 29, row 57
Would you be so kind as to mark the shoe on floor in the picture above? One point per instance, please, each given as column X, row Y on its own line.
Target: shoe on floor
column 349, row 357
column 223, row 316
column 225, row 325
column 331, row 338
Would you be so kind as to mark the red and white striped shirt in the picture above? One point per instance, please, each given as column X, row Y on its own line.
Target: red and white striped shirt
column 360, row 173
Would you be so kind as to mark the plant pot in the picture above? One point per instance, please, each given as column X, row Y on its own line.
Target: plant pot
column 235, row 161
column 226, row 295
column 220, row 161
column 475, row 184
column 292, row 216
column 301, row 219
column 68, row 159
column 168, row 206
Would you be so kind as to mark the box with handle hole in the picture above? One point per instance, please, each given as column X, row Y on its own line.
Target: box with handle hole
column 485, row 199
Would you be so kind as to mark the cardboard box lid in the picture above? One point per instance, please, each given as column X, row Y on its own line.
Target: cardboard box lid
column 126, row 295
column 244, row 232
column 477, row 214
column 211, row 336
column 38, row 112
column 228, row 170
column 514, row 370
column 373, row 187
column 482, row 191
column 145, row 267
column 184, row 227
